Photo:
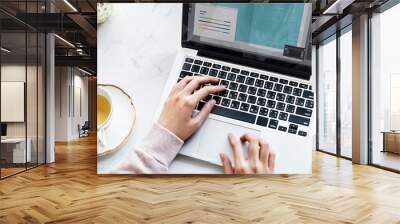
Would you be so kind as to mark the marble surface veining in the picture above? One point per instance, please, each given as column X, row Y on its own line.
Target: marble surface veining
column 136, row 49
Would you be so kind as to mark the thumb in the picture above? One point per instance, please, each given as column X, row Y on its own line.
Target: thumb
column 205, row 111
column 226, row 163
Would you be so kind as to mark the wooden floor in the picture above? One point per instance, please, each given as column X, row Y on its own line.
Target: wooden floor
column 70, row 191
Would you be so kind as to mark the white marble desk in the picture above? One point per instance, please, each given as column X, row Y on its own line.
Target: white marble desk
column 136, row 49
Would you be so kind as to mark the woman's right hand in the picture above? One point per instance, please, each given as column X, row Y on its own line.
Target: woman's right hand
column 261, row 159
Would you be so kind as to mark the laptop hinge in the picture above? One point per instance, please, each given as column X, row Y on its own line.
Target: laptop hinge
column 290, row 69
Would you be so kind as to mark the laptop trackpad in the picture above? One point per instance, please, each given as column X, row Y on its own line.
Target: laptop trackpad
column 214, row 140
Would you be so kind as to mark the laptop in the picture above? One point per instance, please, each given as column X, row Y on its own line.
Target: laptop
column 262, row 53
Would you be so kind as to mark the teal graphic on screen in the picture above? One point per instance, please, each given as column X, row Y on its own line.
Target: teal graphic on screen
column 271, row 25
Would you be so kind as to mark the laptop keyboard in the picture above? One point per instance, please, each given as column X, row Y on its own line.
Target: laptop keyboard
column 256, row 98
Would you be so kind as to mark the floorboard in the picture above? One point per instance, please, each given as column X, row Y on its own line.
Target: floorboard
column 70, row 191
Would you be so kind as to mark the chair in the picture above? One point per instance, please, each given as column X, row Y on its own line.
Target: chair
column 84, row 130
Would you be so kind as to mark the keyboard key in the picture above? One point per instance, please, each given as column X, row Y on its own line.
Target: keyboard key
column 222, row 75
column 204, row 70
column 184, row 74
column 217, row 66
column 198, row 62
column 213, row 72
column 292, row 131
column 293, row 83
column 302, row 133
column 244, row 106
column 309, row 104
column 280, row 97
column 195, row 68
column 233, row 95
column 226, row 68
column 292, row 128
column 273, row 79
column 290, row 108
column 217, row 99
column 282, row 128
column 273, row 113
column 240, row 78
column 299, row 120
column 303, row 111
column 242, row 97
column 235, row 104
column 207, row 64
column 250, row 80
column 259, row 83
column 290, row 99
column 268, row 85
column 186, row 66
column 287, row 89
column 252, row 90
column 265, row 77
column 243, row 72
column 297, row 92
column 234, row 114
column 273, row 124
column 278, row 87
column 190, row 60
column 252, row 99
column 224, row 83
column 308, row 94
column 254, row 109
column 261, row 92
column 303, row 86
column 283, row 81
column 231, row 77
column 242, row 88
column 271, row 104
column 254, row 75
column 235, row 70
column 280, row 106
column 271, row 95
column 225, row 102
column 283, row 116
column 263, row 111
column 300, row 101
column 223, row 93
column 262, row 121
column 261, row 101
column 233, row 86
column 207, row 98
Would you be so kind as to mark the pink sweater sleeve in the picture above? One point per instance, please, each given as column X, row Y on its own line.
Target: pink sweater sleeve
column 153, row 154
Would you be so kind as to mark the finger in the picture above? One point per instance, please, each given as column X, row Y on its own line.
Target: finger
column 264, row 152
column 203, row 114
column 205, row 91
column 226, row 162
column 271, row 161
column 237, row 150
column 197, row 81
column 181, row 84
column 254, row 148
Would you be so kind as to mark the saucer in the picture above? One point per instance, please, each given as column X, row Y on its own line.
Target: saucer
column 122, row 120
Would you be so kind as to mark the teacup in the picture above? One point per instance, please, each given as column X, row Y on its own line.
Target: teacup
column 104, row 112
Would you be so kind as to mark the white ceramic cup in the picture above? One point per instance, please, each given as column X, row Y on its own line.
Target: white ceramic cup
column 101, row 129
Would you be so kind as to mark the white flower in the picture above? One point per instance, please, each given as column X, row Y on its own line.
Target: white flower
column 104, row 10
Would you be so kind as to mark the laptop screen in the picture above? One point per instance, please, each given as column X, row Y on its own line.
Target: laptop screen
column 276, row 30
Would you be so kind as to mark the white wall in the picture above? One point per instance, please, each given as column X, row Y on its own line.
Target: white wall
column 71, row 102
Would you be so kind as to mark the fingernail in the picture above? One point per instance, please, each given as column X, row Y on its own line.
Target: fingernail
column 212, row 102
column 230, row 135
